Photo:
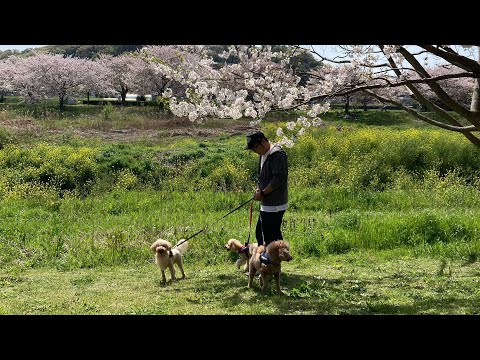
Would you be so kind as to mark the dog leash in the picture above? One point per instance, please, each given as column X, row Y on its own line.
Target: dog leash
column 224, row 216
column 245, row 247
column 250, row 228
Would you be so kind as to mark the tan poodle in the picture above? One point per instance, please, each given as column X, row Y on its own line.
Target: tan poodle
column 267, row 260
column 166, row 256
column 245, row 252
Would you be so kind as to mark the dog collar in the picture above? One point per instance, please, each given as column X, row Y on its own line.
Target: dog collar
column 244, row 249
column 265, row 259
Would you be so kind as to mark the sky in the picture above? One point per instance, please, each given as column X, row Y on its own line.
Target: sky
column 17, row 47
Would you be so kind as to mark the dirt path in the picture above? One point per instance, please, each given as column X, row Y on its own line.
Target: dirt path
column 127, row 131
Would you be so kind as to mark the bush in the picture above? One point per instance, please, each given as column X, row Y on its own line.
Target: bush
column 227, row 177
column 5, row 138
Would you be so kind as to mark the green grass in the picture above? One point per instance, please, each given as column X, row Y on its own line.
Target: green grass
column 382, row 216
column 356, row 284
column 118, row 227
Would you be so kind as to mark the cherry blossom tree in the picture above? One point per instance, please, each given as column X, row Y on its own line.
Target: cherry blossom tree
column 459, row 89
column 25, row 79
column 121, row 73
column 341, row 79
column 156, row 74
column 6, row 77
column 258, row 82
column 98, row 80
column 46, row 75
column 261, row 81
column 62, row 76
column 406, row 67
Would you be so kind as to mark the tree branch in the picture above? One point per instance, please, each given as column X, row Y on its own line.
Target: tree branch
column 437, row 89
column 457, row 128
column 453, row 58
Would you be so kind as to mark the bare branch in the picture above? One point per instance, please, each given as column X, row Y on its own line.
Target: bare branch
column 397, row 84
column 453, row 58
column 437, row 89
column 457, row 128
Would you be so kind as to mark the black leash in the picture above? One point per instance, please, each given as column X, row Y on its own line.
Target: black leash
column 250, row 228
column 224, row 216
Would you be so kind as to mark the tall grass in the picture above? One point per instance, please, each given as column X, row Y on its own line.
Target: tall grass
column 80, row 203
column 117, row 227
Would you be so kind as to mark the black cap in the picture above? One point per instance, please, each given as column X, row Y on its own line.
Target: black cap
column 253, row 139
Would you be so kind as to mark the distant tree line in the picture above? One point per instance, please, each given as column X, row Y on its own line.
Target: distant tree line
column 80, row 51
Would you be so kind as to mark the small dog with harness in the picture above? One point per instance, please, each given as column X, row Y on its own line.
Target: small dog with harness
column 245, row 252
column 167, row 256
column 267, row 260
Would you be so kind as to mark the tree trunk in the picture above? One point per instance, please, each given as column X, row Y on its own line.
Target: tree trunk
column 124, row 95
column 60, row 98
column 347, row 104
column 88, row 97
column 475, row 104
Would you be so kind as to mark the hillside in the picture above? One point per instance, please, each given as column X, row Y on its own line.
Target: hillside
column 83, row 51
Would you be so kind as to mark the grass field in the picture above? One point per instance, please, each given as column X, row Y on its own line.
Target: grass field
column 355, row 284
column 382, row 216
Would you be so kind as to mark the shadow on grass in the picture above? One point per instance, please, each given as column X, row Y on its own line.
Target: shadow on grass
column 413, row 287
column 315, row 295
column 303, row 294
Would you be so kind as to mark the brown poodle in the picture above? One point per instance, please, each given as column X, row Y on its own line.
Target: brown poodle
column 245, row 252
column 267, row 260
column 166, row 256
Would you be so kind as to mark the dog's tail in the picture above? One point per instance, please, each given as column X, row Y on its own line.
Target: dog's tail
column 182, row 248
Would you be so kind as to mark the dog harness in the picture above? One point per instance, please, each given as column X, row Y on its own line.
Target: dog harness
column 265, row 259
column 244, row 249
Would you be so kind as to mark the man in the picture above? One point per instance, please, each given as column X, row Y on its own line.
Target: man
column 272, row 188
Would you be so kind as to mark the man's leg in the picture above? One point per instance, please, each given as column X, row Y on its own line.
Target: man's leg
column 277, row 225
column 258, row 230
column 271, row 223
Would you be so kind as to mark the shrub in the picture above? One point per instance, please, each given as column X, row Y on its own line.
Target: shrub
column 108, row 111
column 5, row 138
column 227, row 177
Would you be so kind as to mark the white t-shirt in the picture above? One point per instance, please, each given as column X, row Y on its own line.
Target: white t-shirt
column 264, row 157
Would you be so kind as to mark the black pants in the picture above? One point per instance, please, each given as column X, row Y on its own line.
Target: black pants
column 269, row 223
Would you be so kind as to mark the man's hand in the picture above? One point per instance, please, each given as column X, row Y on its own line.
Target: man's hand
column 258, row 196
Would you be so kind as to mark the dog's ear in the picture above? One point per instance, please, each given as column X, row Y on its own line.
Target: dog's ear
column 235, row 245
column 153, row 247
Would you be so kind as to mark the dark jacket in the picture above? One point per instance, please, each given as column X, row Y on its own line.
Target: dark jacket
column 275, row 173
